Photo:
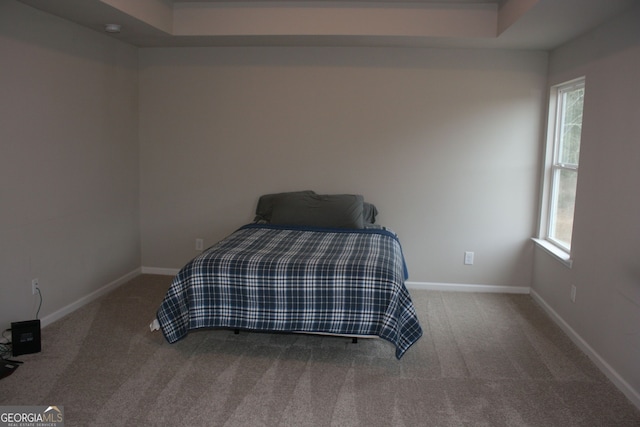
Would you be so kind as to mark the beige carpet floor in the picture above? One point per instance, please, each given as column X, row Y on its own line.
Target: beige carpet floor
column 484, row 360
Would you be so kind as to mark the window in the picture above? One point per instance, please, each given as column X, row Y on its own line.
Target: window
column 562, row 161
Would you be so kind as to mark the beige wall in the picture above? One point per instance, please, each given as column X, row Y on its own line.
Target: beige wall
column 444, row 142
column 606, row 236
column 69, row 161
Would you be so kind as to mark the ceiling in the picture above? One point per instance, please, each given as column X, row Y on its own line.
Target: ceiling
column 507, row 24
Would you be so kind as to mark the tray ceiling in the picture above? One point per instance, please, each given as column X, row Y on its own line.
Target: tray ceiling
column 510, row 24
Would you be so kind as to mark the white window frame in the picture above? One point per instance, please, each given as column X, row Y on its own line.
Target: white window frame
column 552, row 169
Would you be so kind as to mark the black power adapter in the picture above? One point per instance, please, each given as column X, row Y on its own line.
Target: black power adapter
column 25, row 337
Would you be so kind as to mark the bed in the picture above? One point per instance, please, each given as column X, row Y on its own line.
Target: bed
column 308, row 263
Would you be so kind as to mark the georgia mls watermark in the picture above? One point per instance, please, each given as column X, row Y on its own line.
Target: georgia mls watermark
column 31, row 416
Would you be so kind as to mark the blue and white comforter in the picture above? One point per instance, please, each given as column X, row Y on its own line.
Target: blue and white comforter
column 275, row 278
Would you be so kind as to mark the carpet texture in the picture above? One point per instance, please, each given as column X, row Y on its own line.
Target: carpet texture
column 484, row 360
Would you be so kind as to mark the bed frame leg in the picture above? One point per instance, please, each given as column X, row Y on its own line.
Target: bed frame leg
column 354, row 340
column 236, row 331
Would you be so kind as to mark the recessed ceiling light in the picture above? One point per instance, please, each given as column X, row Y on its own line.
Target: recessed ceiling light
column 112, row 28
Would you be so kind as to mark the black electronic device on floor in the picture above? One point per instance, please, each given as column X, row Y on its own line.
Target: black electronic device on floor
column 25, row 337
column 8, row 367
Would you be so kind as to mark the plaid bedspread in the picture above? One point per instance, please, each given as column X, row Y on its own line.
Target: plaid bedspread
column 274, row 278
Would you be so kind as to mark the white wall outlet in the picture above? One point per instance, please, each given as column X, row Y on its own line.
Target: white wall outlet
column 573, row 293
column 468, row 258
column 199, row 244
column 34, row 286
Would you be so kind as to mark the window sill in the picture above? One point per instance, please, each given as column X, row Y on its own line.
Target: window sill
column 563, row 257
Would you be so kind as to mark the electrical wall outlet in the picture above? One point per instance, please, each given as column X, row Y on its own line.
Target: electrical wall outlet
column 199, row 244
column 468, row 258
column 34, row 286
column 573, row 293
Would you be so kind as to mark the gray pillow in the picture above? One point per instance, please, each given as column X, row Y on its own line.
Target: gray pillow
column 369, row 213
column 268, row 201
column 317, row 210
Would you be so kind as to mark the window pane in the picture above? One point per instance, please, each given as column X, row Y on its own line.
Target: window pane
column 571, row 126
column 564, row 197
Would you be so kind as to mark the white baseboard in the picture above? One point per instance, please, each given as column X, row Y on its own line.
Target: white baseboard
column 160, row 271
column 47, row 320
column 632, row 394
column 460, row 287
column 455, row 287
